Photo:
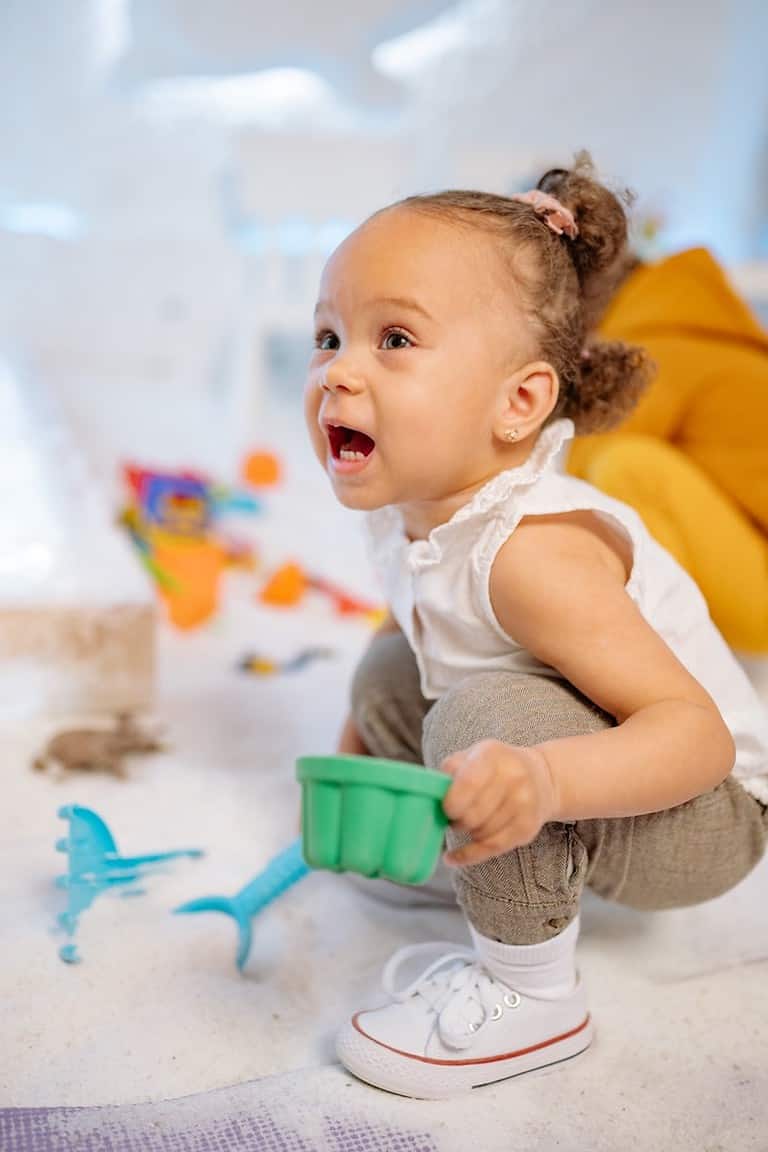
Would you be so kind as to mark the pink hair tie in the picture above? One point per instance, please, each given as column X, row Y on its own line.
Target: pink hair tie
column 556, row 215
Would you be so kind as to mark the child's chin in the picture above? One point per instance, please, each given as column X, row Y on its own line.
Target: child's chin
column 358, row 501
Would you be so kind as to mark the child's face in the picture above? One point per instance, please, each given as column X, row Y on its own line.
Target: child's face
column 415, row 335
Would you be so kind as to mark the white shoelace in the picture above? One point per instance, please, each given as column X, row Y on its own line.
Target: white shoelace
column 456, row 986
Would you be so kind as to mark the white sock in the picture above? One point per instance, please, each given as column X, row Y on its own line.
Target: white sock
column 545, row 971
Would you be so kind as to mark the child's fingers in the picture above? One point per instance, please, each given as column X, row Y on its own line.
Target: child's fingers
column 499, row 821
column 474, row 853
column 470, row 779
column 452, row 764
column 505, row 831
column 488, row 803
column 460, row 798
column 476, row 755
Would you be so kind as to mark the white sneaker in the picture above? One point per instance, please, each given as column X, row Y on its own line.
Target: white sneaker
column 455, row 1027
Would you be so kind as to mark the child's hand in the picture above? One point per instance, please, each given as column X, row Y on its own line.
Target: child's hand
column 501, row 795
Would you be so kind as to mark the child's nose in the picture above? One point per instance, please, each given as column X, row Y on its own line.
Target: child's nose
column 341, row 378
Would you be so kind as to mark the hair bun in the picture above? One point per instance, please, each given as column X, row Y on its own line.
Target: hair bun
column 600, row 248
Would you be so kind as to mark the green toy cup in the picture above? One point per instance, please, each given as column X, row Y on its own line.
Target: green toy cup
column 375, row 817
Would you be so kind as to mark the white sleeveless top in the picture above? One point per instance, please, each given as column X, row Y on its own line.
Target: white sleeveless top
column 438, row 591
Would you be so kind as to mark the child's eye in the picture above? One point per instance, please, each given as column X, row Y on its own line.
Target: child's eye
column 322, row 341
column 394, row 334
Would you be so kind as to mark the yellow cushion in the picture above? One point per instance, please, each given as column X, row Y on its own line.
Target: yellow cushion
column 709, row 400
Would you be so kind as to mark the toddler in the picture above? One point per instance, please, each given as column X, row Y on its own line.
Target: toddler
column 541, row 648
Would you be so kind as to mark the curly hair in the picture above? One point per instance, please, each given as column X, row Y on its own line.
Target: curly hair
column 563, row 284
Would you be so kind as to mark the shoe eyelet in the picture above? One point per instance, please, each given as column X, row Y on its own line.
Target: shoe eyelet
column 512, row 999
column 497, row 1012
column 474, row 1027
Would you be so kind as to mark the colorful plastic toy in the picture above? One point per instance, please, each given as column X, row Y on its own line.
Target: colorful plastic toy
column 94, row 865
column 173, row 519
column 261, row 469
column 262, row 666
column 344, row 602
column 185, row 503
column 372, row 816
column 290, row 583
column 195, row 566
column 128, row 519
column 282, row 872
column 179, row 504
column 286, row 587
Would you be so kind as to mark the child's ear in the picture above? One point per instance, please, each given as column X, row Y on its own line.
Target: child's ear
column 526, row 399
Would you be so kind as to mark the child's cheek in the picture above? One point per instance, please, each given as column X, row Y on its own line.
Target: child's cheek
column 311, row 410
column 318, row 442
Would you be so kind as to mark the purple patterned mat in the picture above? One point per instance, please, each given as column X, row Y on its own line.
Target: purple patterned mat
column 179, row 1126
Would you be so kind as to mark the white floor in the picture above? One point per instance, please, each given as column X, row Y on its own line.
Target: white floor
column 157, row 1010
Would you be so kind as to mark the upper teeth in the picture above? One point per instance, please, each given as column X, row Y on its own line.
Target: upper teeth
column 349, row 454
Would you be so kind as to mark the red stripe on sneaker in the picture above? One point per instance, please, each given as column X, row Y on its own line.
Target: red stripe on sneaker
column 480, row 1059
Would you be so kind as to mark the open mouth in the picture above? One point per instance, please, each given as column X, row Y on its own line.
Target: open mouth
column 348, row 443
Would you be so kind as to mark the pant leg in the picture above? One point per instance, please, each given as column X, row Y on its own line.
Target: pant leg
column 669, row 859
column 666, row 859
column 677, row 857
column 532, row 894
column 387, row 705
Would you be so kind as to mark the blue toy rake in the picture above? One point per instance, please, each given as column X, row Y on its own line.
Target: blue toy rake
column 95, row 866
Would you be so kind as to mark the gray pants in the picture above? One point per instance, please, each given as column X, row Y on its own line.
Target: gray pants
column 668, row 859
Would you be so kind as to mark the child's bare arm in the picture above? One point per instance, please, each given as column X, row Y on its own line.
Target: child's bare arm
column 558, row 588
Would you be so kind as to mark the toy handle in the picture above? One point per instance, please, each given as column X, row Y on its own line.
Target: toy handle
column 282, row 872
column 115, row 861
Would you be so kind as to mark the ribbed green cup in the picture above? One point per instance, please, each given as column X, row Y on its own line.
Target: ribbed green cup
column 375, row 817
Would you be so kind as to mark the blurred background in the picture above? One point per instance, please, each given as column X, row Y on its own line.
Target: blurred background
column 175, row 172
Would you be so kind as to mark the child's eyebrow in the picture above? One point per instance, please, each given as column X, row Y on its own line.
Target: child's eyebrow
column 397, row 301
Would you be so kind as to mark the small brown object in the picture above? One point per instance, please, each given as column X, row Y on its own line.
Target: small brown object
column 97, row 749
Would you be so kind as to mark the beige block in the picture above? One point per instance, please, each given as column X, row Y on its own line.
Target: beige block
column 71, row 658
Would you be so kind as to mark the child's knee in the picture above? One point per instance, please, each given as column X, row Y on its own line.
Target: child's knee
column 516, row 708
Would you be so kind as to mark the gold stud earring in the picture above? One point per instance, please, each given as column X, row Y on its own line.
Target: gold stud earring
column 511, row 434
